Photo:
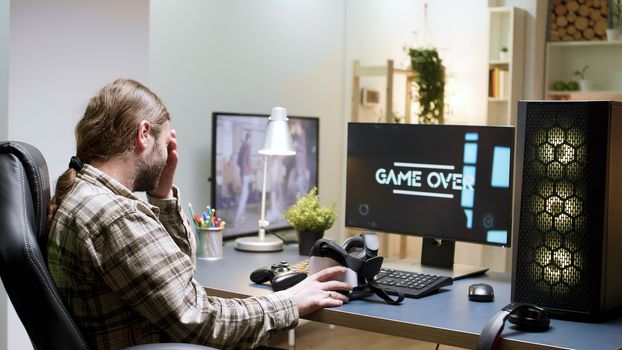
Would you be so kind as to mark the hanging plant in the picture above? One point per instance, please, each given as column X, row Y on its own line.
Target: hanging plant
column 429, row 75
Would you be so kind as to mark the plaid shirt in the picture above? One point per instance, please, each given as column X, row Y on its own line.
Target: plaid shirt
column 124, row 269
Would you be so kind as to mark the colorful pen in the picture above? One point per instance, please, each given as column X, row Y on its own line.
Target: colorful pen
column 192, row 215
column 211, row 219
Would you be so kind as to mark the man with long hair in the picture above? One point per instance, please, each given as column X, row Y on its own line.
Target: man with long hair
column 125, row 267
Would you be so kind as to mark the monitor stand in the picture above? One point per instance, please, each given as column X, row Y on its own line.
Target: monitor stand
column 437, row 257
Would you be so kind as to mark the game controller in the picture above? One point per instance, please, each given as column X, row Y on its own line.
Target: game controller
column 281, row 276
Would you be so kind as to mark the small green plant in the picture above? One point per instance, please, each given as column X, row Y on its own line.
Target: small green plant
column 504, row 49
column 581, row 73
column 308, row 215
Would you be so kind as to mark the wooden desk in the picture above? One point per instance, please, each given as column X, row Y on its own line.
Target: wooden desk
column 447, row 317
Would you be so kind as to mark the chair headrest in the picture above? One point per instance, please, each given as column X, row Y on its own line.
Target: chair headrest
column 37, row 173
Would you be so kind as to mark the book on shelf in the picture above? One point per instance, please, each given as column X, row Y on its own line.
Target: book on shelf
column 498, row 83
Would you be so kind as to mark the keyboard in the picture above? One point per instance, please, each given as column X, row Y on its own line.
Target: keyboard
column 300, row 266
column 411, row 284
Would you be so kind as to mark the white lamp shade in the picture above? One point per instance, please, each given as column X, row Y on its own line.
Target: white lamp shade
column 278, row 141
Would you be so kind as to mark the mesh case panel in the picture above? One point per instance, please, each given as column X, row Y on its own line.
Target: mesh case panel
column 560, row 235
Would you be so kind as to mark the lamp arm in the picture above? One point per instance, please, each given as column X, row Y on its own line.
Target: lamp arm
column 262, row 221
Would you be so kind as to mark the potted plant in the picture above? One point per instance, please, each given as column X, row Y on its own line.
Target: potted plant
column 429, row 76
column 503, row 54
column 584, row 84
column 310, row 219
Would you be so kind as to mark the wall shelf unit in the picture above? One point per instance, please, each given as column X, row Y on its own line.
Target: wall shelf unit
column 604, row 61
column 505, row 69
column 388, row 71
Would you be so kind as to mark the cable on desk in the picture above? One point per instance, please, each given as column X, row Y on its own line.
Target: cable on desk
column 281, row 238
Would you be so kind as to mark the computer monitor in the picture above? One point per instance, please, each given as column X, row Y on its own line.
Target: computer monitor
column 445, row 183
column 237, row 180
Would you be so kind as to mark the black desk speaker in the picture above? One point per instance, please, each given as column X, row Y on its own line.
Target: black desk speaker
column 567, row 255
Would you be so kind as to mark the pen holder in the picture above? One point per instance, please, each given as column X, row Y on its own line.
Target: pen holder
column 209, row 243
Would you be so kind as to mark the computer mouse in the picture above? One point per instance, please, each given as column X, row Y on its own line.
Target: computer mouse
column 481, row 292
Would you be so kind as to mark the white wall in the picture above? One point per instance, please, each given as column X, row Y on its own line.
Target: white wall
column 60, row 54
column 248, row 56
column 4, row 66
column 4, row 83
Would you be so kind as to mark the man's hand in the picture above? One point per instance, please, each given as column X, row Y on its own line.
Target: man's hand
column 165, row 186
column 320, row 290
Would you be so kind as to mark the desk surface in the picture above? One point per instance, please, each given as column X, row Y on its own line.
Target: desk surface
column 447, row 317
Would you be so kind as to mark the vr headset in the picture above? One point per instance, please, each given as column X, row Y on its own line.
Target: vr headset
column 360, row 255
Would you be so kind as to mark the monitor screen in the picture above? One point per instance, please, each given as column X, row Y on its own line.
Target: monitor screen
column 237, row 170
column 438, row 181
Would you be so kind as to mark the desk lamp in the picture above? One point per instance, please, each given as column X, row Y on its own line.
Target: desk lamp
column 278, row 142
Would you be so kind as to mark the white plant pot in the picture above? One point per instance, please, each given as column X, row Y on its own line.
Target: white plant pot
column 503, row 56
column 585, row 85
column 613, row 34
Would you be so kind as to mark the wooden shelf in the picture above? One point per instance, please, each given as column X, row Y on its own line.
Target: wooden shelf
column 505, row 76
column 497, row 99
column 584, row 43
column 499, row 63
column 379, row 71
column 585, row 95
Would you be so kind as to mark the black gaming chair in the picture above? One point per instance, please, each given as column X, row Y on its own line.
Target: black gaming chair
column 24, row 195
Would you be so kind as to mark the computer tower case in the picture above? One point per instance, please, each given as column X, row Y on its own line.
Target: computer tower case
column 567, row 253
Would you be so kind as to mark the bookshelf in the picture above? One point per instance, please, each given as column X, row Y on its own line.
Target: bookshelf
column 505, row 67
column 604, row 59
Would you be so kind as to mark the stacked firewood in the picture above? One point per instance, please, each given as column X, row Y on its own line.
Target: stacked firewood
column 578, row 20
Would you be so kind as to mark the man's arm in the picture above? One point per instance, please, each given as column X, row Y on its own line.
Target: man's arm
column 142, row 264
column 175, row 222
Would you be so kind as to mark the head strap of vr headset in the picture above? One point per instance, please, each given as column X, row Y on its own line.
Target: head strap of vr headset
column 360, row 254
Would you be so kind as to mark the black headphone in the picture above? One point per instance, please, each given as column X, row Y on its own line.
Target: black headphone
column 354, row 253
column 363, row 246
column 527, row 317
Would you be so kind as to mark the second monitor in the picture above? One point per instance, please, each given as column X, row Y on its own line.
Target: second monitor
column 445, row 183
column 237, row 170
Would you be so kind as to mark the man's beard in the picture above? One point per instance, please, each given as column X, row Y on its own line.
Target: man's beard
column 148, row 174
